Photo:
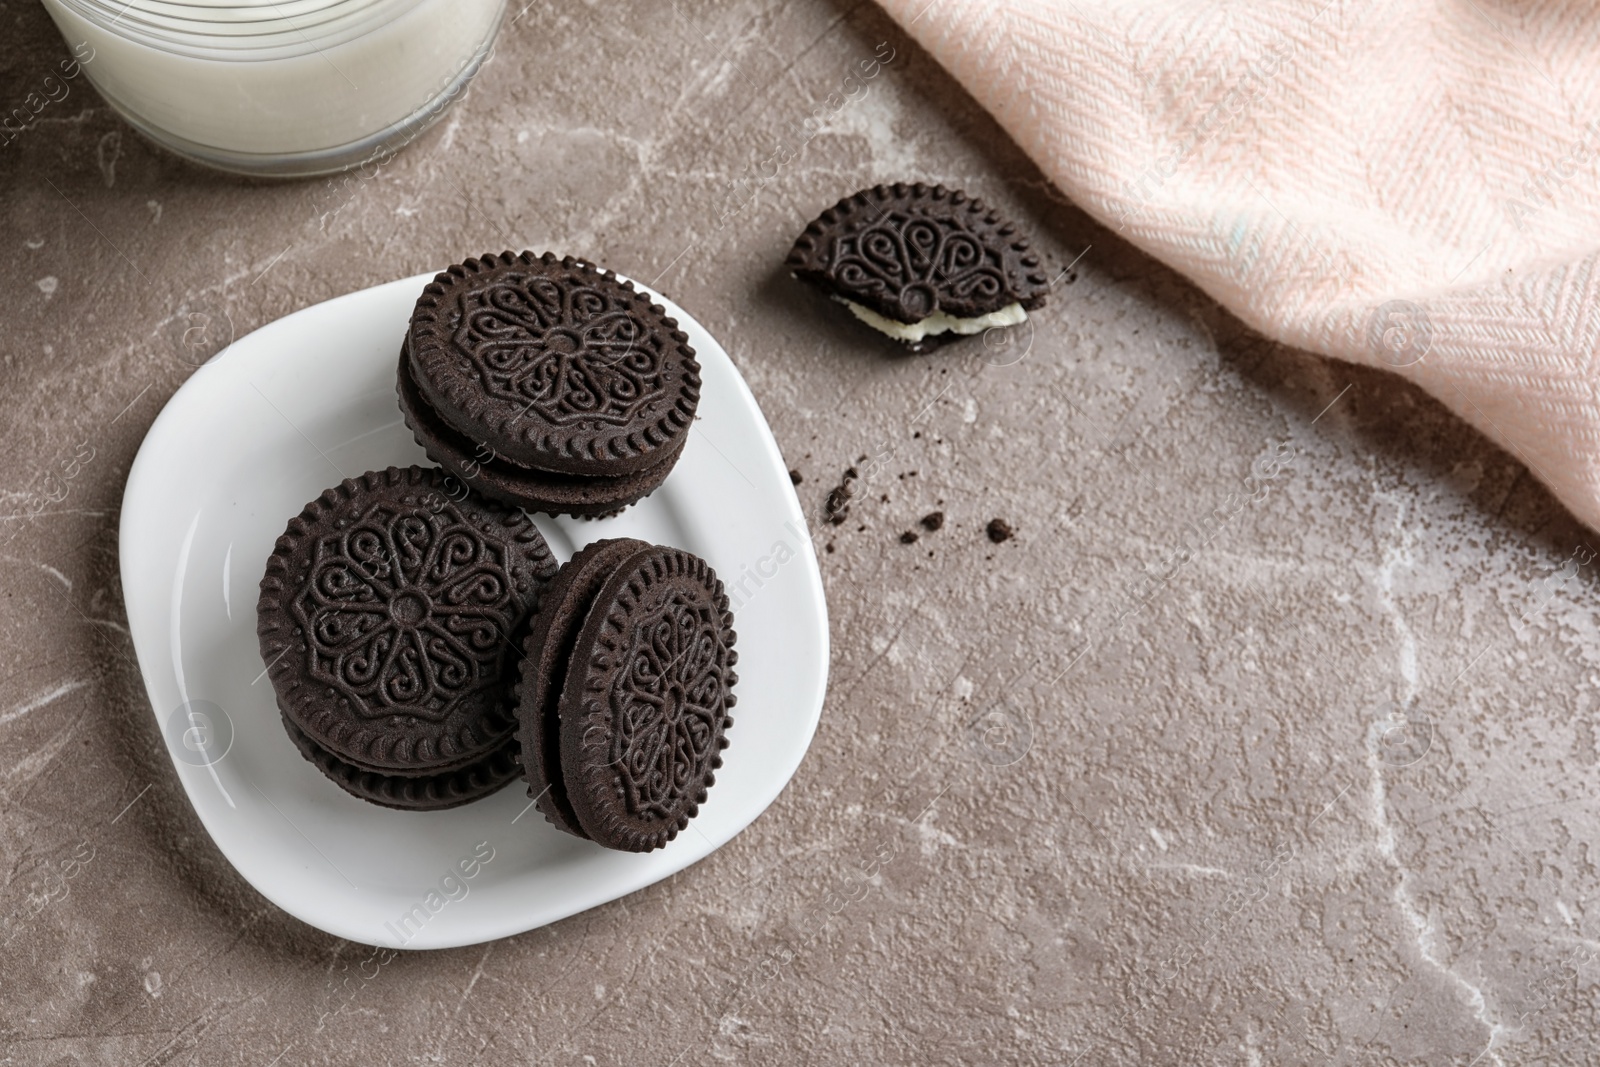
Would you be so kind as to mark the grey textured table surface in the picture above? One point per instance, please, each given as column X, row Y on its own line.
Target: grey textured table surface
column 1086, row 796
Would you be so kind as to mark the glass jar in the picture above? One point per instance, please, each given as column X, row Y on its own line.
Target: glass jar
column 287, row 88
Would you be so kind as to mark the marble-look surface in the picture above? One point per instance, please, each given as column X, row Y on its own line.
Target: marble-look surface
column 1086, row 796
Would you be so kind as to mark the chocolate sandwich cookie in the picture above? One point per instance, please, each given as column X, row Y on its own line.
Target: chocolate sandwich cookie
column 390, row 617
column 625, row 694
column 427, row 792
column 554, row 364
column 499, row 479
column 551, row 638
column 923, row 265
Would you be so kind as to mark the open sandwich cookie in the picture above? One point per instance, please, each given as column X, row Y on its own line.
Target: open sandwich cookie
column 924, row 265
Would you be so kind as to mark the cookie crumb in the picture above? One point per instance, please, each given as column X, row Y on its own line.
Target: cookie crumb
column 1000, row 530
column 909, row 537
column 830, row 548
column 794, row 475
column 932, row 521
column 837, row 507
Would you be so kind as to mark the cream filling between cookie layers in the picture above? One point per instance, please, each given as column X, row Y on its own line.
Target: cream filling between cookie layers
column 938, row 322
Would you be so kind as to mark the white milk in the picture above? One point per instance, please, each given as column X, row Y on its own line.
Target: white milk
column 293, row 86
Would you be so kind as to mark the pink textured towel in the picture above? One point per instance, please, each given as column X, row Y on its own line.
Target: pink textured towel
column 1401, row 184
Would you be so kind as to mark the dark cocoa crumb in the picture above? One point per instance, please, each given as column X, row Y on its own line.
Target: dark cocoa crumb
column 863, row 526
column 830, row 548
column 909, row 537
column 794, row 476
column 932, row 521
column 1000, row 530
column 837, row 507
column 886, row 498
column 917, row 434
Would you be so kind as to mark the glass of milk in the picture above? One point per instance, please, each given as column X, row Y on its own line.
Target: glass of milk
column 285, row 88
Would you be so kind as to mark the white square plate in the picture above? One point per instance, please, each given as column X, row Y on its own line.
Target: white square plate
column 302, row 404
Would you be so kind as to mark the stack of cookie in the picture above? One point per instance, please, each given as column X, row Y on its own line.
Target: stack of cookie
column 547, row 383
column 390, row 621
column 426, row 651
column 423, row 645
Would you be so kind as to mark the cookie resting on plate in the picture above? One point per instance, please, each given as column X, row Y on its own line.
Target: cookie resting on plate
column 626, row 689
column 547, row 382
column 389, row 620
